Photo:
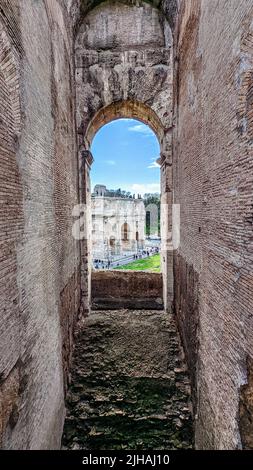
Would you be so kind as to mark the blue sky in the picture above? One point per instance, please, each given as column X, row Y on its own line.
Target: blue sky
column 125, row 151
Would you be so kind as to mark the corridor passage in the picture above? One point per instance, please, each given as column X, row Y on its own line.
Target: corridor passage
column 129, row 389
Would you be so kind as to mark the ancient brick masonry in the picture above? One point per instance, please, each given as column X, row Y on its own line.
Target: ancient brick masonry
column 186, row 70
column 126, row 289
column 11, row 226
column 213, row 179
column 39, row 259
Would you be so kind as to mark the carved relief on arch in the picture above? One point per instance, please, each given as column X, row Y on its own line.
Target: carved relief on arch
column 116, row 63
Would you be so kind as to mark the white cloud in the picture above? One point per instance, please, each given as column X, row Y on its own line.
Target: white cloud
column 145, row 188
column 154, row 164
column 110, row 162
column 141, row 129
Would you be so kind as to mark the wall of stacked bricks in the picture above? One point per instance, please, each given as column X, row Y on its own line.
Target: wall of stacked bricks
column 126, row 289
column 212, row 171
column 40, row 260
column 40, row 266
column 213, row 182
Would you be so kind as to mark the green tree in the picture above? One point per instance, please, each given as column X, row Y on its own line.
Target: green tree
column 150, row 199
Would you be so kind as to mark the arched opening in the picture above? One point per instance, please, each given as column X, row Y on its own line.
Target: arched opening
column 127, row 109
column 126, row 73
column 125, row 233
column 124, row 176
column 113, row 245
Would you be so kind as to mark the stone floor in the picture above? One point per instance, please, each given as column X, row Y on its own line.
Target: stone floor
column 129, row 386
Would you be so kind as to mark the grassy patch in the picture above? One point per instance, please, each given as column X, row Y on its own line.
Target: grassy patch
column 153, row 264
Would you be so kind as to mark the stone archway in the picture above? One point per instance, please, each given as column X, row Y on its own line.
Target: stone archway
column 113, row 245
column 145, row 114
column 124, row 109
column 125, row 232
column 80, row 8
column 126, row 237
column 121, row 73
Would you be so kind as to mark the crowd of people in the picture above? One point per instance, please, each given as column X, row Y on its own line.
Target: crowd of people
column 107, row 264
column 101, row 264
column 146, row 252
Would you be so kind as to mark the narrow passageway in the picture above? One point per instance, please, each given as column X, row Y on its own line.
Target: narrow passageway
column 130, row 388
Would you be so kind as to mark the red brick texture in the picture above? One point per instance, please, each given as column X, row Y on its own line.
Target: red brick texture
column 39, row 259
column 126, row 289
column 207, row 168
column 11, row 228
column 213, row 182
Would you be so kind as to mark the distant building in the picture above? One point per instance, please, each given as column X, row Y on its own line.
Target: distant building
column 99, row 190
column 118, row 223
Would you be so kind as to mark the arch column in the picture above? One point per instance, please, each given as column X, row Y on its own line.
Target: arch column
column 86, row 160
column 166, row 220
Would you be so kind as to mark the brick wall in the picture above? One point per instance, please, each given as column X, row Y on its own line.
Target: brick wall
column 212, row 171
column 11, row 228
column 126, row 289
column 39, row 260
column 213, row 181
